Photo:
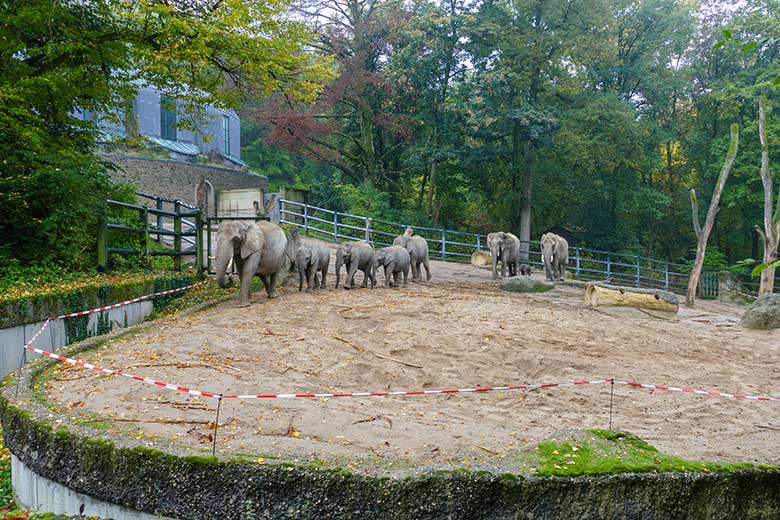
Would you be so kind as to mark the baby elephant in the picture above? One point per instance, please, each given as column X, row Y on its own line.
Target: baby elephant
column 525, row 270
column 312, row 259
column 396, row 260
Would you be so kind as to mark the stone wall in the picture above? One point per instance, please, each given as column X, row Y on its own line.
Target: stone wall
column 177, row 179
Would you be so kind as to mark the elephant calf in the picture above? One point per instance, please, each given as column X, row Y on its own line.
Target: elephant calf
column 396, row 260
column 525, row 269
column 356, row 255
column 312, row 259
column 417, row 247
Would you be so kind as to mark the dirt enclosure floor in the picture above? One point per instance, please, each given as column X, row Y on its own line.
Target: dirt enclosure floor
column 458, row 330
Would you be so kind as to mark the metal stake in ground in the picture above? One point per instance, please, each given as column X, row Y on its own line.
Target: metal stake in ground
column 216, row 427
column 24, row 359
column 611, row 394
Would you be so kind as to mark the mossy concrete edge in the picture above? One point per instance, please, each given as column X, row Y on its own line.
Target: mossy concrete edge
column 188, row 487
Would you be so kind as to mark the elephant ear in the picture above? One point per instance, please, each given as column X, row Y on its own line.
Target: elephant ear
column 252, row 241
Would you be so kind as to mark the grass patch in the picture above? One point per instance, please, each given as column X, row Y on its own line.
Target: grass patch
column 604, row 452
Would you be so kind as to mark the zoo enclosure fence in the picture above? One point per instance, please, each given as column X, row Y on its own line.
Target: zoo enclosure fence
column 447, row 244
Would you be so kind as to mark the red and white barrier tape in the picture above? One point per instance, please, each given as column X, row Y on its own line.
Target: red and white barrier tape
column 699, row 392
column 483, row 389
column 90, row 366
column 127, row 302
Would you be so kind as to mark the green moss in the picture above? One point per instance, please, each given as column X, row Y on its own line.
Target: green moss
column 603, row 452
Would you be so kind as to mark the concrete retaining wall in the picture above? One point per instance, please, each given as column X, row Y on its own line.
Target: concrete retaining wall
column 55, row 336
column 37, row 493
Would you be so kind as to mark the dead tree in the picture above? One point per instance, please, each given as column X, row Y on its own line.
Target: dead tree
column 770, row 235
column 703, row 234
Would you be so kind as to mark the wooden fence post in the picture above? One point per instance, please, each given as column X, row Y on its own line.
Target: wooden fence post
column 103, row 244
column 177, row 237
column 144, row 215
column 208, row 243
column 199, row 242
column 159, row 219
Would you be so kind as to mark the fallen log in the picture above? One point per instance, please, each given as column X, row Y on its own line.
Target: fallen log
column 598, row 293
column 480, row 258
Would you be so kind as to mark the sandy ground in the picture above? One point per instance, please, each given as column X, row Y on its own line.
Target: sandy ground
column 459, row 330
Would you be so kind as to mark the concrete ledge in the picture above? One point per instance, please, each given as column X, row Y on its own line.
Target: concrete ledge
column 36, row 493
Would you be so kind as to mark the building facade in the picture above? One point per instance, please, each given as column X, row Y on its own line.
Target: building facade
column 157, row 116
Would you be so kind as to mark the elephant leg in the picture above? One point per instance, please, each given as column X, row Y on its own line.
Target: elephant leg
column 270, row 289
column 372, row 275
column 389, row 268
column 350, row 283
column 365, row 277
column 427, row 268
column 324, row 274
column 248, row 270
column 494, row 261
column 406, row 274
column 415, row 267
column 310, row 278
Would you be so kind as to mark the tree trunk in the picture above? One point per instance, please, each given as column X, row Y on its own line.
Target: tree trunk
column 702, row 235
column 529, row 153
column 770, row 235
column 655, row 299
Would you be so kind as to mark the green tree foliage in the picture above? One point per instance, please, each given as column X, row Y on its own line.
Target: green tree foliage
column 57, row 56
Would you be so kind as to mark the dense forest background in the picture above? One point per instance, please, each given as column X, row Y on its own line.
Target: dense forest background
column 595, row 115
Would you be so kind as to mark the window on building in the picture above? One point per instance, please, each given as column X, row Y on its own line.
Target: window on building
column 167, row 118
column 226, row 135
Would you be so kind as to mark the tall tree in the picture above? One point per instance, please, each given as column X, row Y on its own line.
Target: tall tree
column 770, row 234
column 703, row 234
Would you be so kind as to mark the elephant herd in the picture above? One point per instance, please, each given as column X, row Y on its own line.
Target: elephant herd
column 264, row 249
column 505, row 248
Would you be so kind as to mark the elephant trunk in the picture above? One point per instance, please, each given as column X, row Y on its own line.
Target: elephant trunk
column 548, row 265
column 224, row 254
column 494, row 259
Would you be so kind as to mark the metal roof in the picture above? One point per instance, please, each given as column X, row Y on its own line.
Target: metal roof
column 175, row 146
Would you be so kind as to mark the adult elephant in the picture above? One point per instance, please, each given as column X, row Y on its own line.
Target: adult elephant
column 354, row 256
column 505, row 248
column 555, row 255
column 417, row 247
column 260, row 248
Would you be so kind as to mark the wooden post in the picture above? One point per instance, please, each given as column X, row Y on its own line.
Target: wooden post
column 103, row 244
column 144, row 214
column 159, row 219
column 199, row 242
column 177, row 237
column 208, row 243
